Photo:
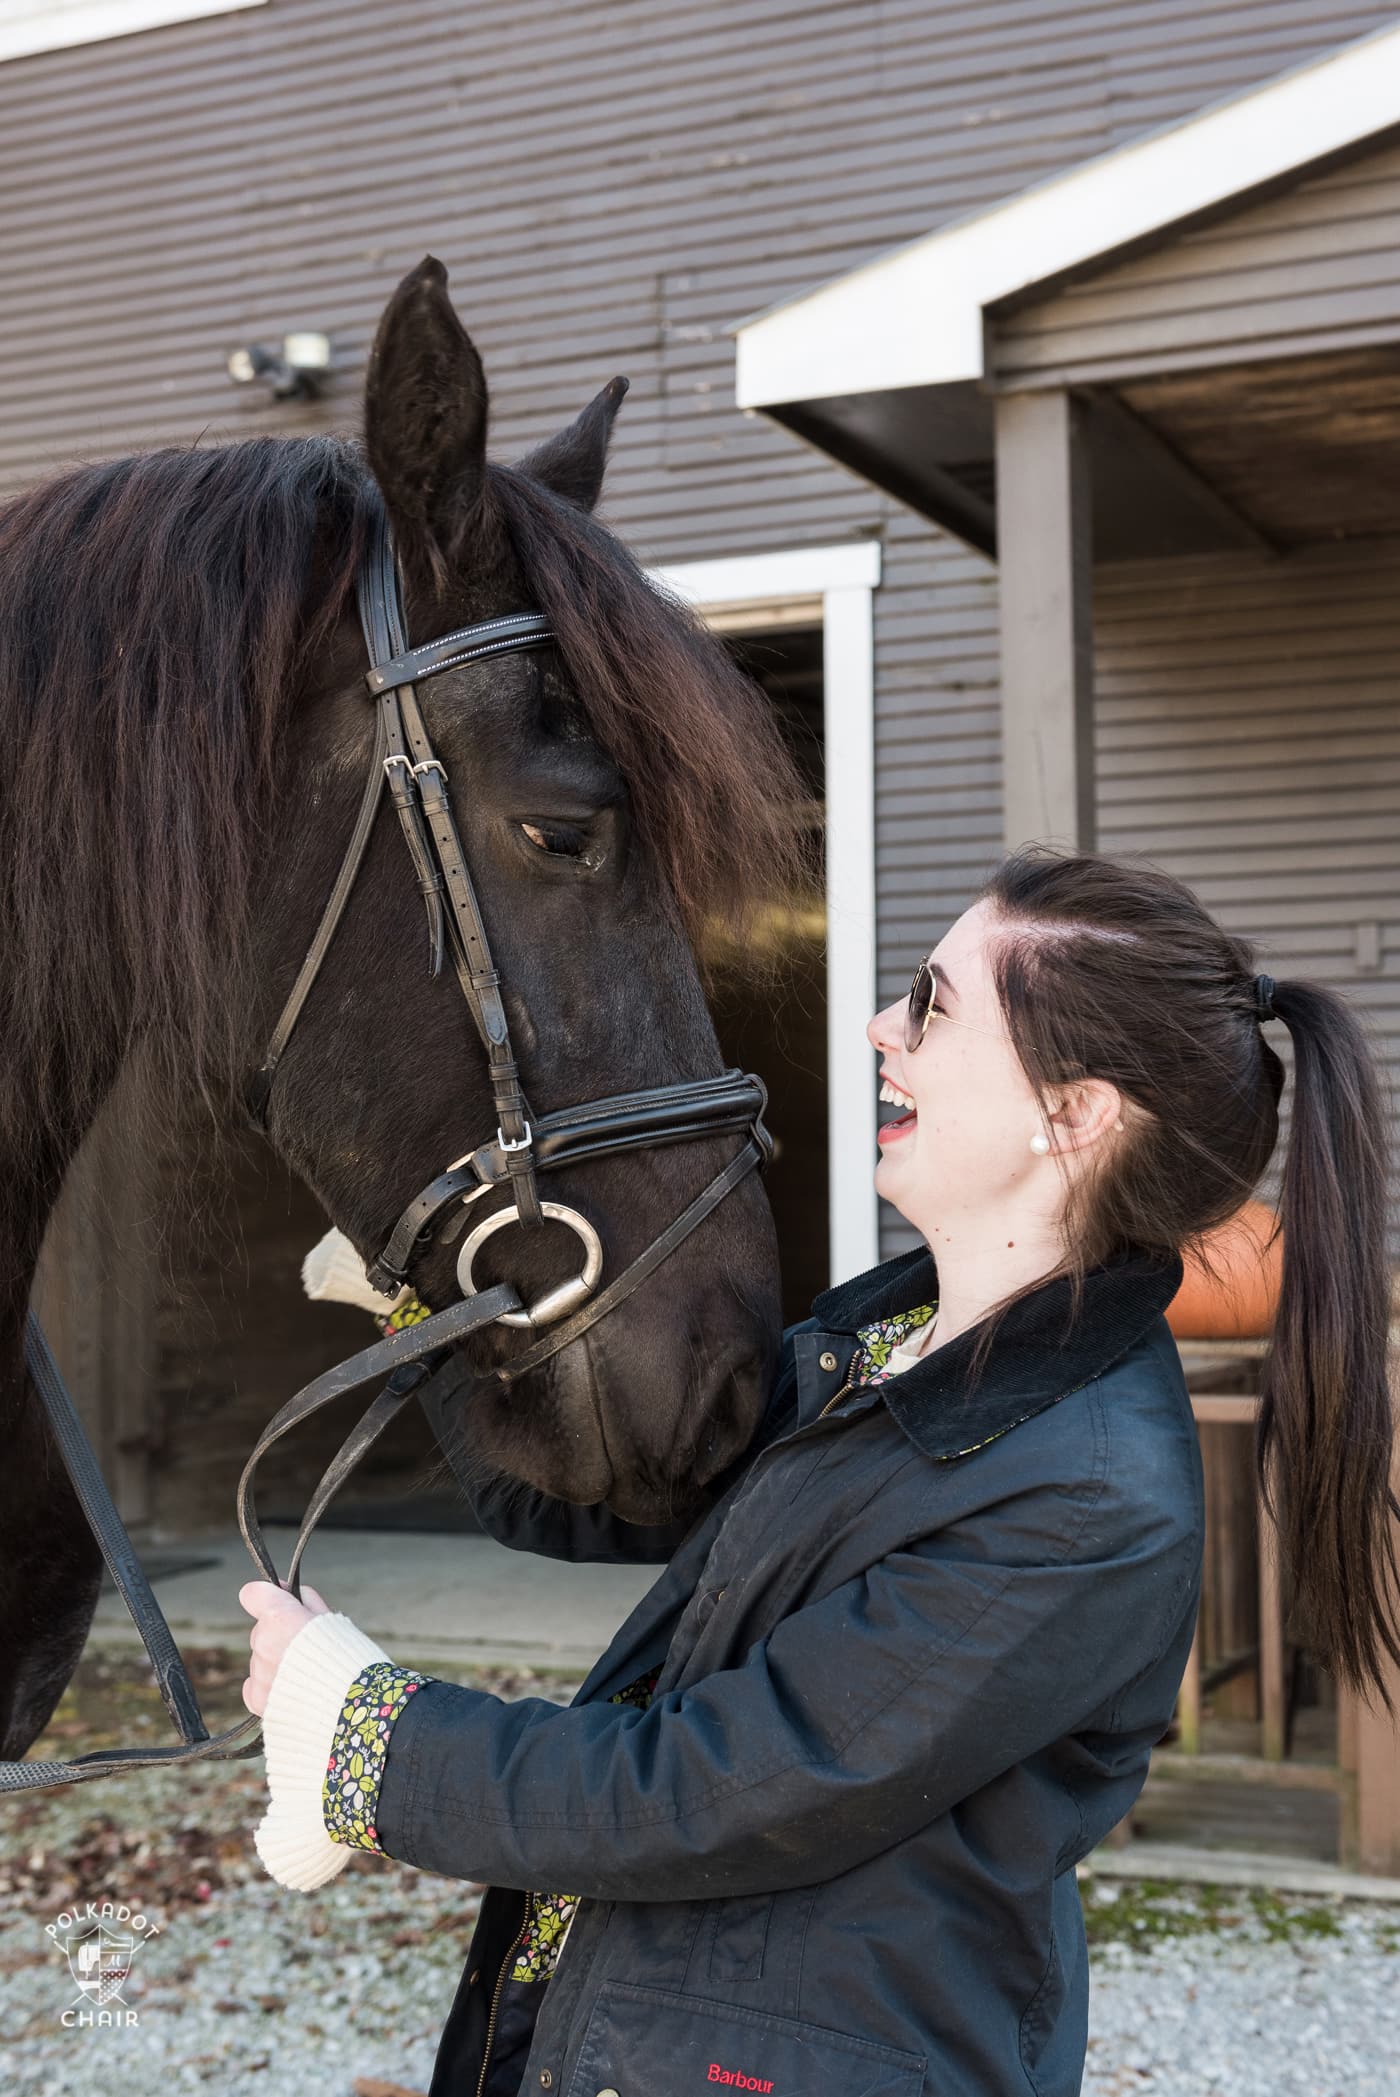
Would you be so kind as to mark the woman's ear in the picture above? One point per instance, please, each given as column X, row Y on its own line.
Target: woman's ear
column 425, row 421
column 572, row 464
column 1084, row 1113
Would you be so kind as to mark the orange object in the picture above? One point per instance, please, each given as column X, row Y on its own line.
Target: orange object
column 1240, row 1303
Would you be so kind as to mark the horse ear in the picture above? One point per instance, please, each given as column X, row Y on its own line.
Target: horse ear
column 573, row 463
column 425, row 419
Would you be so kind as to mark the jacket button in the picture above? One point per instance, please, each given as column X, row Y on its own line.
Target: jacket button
column 827, row 1361
column 546, row 2079
column 607, row 2093
column 474, row 1976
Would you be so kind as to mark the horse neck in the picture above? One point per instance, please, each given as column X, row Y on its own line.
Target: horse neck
column 36, row 1156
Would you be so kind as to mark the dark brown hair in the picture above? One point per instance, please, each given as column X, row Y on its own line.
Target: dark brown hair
column 1112, row 969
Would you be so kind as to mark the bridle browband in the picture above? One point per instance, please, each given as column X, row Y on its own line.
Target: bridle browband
column 524, row 1145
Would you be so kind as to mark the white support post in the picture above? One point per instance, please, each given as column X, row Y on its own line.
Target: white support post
column 837, row 584
column 1046, row 580
column 853, row 1113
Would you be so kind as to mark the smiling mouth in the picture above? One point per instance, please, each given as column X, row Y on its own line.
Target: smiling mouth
column 891, row 1096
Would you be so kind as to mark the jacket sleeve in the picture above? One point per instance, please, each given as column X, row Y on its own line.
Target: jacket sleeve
column 863, row 1716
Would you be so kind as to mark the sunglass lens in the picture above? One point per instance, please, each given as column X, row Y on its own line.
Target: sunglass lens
column 920, row 999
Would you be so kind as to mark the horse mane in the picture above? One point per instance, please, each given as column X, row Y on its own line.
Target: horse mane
column 157, row 614
column 153, row 626
column 713, row 788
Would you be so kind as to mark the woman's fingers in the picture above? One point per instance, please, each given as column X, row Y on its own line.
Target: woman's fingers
column 277, row 1616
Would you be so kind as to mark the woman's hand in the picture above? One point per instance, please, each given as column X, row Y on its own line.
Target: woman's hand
column 277, row 1618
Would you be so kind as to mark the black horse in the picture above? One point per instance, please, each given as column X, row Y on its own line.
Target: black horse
column 186, row 734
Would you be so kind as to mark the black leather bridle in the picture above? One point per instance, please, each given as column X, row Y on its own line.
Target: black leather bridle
column 524, row 1145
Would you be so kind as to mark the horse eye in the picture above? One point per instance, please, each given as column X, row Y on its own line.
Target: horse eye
column 562, row 840
column 566, row 841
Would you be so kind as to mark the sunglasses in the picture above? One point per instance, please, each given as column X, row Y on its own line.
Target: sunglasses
column 921, row 1008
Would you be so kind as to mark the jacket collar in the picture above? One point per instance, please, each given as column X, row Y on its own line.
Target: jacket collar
column 1034, row 1359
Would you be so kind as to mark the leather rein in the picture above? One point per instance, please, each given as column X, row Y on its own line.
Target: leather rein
column 523, row 1146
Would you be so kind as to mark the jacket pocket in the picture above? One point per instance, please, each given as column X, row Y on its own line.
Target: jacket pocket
column 648, row 2042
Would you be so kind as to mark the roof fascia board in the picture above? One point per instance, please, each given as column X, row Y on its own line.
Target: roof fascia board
column 39, row 25
column 915, row 316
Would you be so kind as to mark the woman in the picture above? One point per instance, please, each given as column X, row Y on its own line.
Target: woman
column 811, row 1824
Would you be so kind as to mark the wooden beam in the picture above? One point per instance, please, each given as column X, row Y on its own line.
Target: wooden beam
column 1371, row 1741
column 1122, row 425
column 926, row 487
column 1188, row 1703
column 1248, row 1769
column 1236, row 1410
column 1047, row 675
column 1273, row 1680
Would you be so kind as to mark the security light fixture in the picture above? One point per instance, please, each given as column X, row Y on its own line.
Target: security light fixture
column 296, row 371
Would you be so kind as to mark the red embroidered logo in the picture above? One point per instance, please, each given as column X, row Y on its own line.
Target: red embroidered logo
column 736, row 2078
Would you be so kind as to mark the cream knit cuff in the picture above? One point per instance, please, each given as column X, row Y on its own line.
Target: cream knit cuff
column 303, row 1710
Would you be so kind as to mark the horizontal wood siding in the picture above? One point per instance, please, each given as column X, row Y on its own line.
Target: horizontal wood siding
column 1316, row 268
column 612, row 186
column 1248, row 733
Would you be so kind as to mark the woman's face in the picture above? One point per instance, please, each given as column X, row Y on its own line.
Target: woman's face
column 963, row 1152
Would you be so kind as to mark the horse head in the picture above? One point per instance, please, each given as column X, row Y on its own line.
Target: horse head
column 606, row 791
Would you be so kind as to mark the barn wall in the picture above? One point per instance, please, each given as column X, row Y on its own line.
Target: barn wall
column 611, row 186
column 1248, row 736
column 1316, row 268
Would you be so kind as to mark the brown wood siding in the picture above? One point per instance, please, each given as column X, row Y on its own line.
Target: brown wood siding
column 612, row 186
column 1317, row 268
column 1248, row 732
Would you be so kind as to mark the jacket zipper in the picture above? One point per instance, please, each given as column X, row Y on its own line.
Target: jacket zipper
column 501, row 1979
column 844, row 1391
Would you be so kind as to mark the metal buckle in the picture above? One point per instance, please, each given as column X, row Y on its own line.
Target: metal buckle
column 399, row 759
column 523, row 1143
column 556, row 1303
column 430, row 764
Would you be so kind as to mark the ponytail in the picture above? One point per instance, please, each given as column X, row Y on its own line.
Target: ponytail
column 1326, row 1419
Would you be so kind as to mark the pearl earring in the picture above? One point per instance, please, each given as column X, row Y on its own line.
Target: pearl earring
column 1040, row 1144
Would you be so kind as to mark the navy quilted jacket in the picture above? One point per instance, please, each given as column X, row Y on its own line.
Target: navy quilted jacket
column 912, row 1664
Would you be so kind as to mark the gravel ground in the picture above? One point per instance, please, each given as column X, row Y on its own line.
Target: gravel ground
column 1240, row 1995
column 1197, row 1991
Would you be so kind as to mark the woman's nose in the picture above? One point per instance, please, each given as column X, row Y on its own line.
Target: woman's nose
column 884, row 1031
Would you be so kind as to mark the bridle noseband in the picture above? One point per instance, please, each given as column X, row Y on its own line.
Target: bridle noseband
column 524, row 1145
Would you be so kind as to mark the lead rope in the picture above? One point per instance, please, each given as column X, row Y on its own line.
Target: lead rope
column 402, row 1353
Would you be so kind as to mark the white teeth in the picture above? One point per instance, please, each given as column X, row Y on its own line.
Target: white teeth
column 894, row 1098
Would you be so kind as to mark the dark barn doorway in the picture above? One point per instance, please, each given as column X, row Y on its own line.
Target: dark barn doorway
column 774, row 1022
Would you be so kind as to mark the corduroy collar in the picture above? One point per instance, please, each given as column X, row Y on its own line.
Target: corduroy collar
column 1032, row 1361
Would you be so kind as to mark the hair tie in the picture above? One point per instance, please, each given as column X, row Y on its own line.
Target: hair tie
column 1264, row 999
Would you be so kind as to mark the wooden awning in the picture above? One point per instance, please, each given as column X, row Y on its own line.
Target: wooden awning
column 1189, row 288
